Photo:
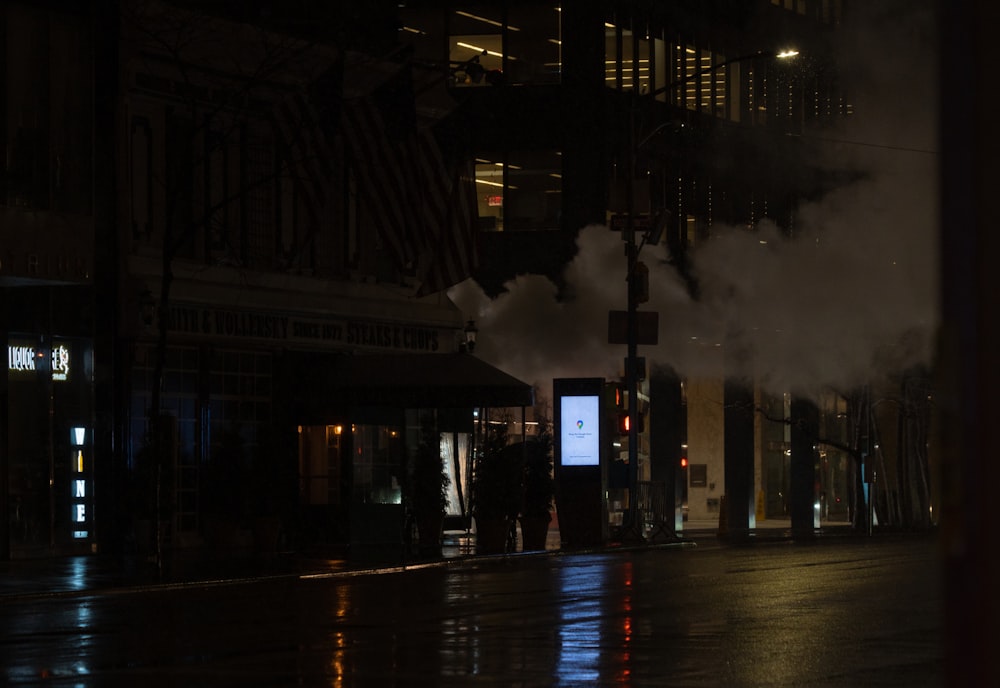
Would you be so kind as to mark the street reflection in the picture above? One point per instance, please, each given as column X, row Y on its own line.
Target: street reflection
column 580, row 617
column 338, row 663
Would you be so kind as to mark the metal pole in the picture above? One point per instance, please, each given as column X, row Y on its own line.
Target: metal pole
column 633, row 528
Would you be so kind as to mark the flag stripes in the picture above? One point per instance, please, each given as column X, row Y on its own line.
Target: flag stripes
column 422, row 208
column 420, row 200
column 307, row 150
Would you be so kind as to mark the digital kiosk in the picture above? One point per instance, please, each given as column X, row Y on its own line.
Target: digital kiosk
column 579, row 460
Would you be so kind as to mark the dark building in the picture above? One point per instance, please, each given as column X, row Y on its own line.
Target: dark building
column 682, row 116
column 47, row 279
column 216, row 210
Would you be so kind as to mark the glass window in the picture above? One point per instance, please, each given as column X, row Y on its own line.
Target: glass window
column 519, row 191
column 424, row 31
column 612, row 57
column 534, row 45
column 476, row 40
column 490, row 188
column 378, row 462
column 258, row 202
column 534, row 190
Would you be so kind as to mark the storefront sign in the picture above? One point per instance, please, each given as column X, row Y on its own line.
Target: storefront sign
column 46, row 266
column 60, row 363
column 218, row 322
column 78, row 496
column 22, row 358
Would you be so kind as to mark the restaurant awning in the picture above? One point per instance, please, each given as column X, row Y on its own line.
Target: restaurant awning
column 449, row 380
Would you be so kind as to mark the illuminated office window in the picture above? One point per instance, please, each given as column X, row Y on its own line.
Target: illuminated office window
column 477, row 37
column 519, row 190
column 534, row 50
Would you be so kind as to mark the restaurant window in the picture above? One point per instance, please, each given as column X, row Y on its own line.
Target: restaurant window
column 321, row 449
column 378, row 462
column 519, row 190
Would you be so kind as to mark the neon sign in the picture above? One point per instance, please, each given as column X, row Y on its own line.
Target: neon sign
column 21, row 358
column 21, row 361
column 60, row 363
column 78, row 502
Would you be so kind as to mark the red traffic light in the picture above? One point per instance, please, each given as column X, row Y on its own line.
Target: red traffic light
column 624, row 424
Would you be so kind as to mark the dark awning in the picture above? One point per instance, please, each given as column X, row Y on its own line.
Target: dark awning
column 427, row 380
column 453, row 380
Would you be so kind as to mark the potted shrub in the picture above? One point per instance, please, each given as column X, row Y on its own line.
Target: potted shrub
column 538, row 487
column 496, row 490
column 428, row 487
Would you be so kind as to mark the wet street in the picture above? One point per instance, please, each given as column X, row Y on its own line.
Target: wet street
column 838, row 612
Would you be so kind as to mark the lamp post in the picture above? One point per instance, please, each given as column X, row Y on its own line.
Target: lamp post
column 633, row 528
column 470, row 333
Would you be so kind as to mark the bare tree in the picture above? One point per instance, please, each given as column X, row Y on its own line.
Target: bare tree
column 218, row 79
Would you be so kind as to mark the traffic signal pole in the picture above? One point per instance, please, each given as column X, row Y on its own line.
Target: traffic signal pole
column 632, row 529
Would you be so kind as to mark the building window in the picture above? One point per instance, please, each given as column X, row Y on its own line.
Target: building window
column 519, row 190
column 378, row 462
column 533, row 52
column 523, row 43
column 476, row 36
column 259, row 212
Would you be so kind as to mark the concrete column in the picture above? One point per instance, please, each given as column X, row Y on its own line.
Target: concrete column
column 666, row 434
column 705, row 423
column 805, row 427
column 739, row 455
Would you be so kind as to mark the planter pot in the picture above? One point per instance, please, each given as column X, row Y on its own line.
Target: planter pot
column 491, row 535
column 534, row 532
column 429, row 535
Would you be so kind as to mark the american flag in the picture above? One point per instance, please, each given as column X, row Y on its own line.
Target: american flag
column 421, row 201
column 307, row 149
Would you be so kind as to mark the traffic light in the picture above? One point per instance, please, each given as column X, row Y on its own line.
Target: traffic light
column 624, row 423
column 684, row 462
column 617, row 396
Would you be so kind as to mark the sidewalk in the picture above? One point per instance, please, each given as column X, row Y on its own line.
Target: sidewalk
column 78, row 575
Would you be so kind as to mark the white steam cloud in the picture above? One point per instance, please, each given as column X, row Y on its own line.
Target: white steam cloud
column 851, row 295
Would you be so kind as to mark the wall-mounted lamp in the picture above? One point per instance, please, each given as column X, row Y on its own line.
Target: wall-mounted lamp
column 470, row 336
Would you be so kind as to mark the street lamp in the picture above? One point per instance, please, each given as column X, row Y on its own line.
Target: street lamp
column 470, row 332
column 633, row 527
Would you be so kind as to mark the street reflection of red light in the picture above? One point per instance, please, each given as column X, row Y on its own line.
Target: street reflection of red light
column 626, row 662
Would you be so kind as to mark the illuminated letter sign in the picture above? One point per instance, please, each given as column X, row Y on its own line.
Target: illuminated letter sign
column 78, row 436
column 20, row 358
column 60, row 363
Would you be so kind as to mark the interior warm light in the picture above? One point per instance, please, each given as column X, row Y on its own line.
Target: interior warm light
column 491, row 22
column 785, row 54
column 338, row 429
column 479, row 50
